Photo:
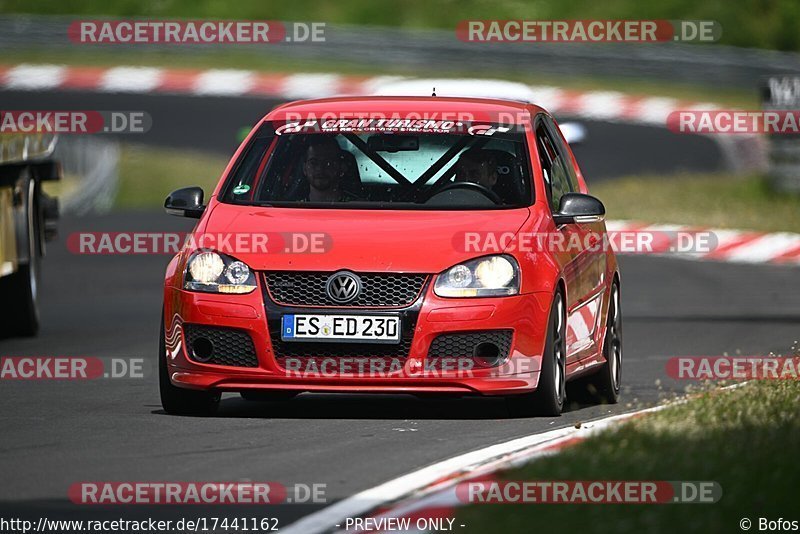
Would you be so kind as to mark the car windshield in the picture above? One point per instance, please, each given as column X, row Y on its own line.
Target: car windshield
column 396, row 164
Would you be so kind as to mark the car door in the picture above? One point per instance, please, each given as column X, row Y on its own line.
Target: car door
column 556, row 185
column 589, row 265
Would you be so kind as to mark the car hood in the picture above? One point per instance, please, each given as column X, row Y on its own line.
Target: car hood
column 363, row 240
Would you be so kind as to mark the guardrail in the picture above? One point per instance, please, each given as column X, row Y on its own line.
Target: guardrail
column 440, row 50
column 91, row 175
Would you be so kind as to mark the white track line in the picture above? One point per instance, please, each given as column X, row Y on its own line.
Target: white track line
column 131, row 80
column 655, row 110
column 602, row 105
column 311, row 85
column 446, row 496
column 223, row 82
column 35, row 77
column 489, row 458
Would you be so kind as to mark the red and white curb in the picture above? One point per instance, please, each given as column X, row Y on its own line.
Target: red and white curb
column 600, row 105
column 741, row 152
column 431, row 491
column 210, row 82
column 737, row 246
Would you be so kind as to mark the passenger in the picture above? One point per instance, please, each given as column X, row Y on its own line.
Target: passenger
column 323, row 169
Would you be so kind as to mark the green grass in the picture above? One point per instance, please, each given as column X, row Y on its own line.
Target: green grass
column 745, row 439
column 753, row 23
column 148, row 175
column 271, row 62
column 716, row 200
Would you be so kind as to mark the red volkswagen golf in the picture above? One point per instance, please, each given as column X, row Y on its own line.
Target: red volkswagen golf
column 423, row 245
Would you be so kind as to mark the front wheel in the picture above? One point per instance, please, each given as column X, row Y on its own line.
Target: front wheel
column 549, row 397
column 608, row 381
column 180, row 401
column 604, row 386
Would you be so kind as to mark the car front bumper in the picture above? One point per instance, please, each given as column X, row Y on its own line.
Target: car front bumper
column 525, row 316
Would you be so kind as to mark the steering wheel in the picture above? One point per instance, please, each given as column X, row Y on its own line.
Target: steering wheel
column 482, row 189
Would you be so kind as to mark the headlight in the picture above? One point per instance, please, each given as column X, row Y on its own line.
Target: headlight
column 492, row 276
column 212, row 272
column 206, row 267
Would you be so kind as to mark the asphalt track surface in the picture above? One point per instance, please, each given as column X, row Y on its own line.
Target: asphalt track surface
column 55, row 434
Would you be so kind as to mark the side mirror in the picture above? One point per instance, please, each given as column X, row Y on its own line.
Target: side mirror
column 579, row 208
column 185, row 202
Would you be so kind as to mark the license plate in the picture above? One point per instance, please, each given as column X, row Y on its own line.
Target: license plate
column 352, row 328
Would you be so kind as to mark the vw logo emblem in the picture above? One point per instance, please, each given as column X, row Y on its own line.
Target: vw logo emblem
column 343, row 287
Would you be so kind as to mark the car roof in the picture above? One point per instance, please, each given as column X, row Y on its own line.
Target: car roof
column 458, row 87
column 403, row 105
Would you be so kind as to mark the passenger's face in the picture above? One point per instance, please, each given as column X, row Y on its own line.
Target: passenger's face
column 479, row 172
column 322, row 167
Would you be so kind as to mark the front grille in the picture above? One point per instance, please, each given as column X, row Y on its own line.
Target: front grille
column 462, row 345
column 386, row 290
column 229, row 346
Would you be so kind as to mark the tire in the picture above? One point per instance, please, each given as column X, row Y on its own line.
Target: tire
column 604, row 386
column 180, row 401
column 550, row 395
column 19, row 315
column 267, row 396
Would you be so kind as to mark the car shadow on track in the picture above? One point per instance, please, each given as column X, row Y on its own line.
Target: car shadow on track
column 349, row 406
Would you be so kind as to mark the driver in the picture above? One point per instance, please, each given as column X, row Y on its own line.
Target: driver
column 323, row 168
column 477, row 166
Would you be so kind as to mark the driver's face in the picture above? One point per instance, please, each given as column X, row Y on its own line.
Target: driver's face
column 479, row 172
column 322, row 167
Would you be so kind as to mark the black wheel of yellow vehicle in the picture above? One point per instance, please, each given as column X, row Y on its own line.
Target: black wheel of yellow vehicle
column 549, row 397
column 19, row 314
column 180, row 401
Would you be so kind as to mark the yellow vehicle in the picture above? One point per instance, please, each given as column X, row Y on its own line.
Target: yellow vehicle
column 27, row 220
